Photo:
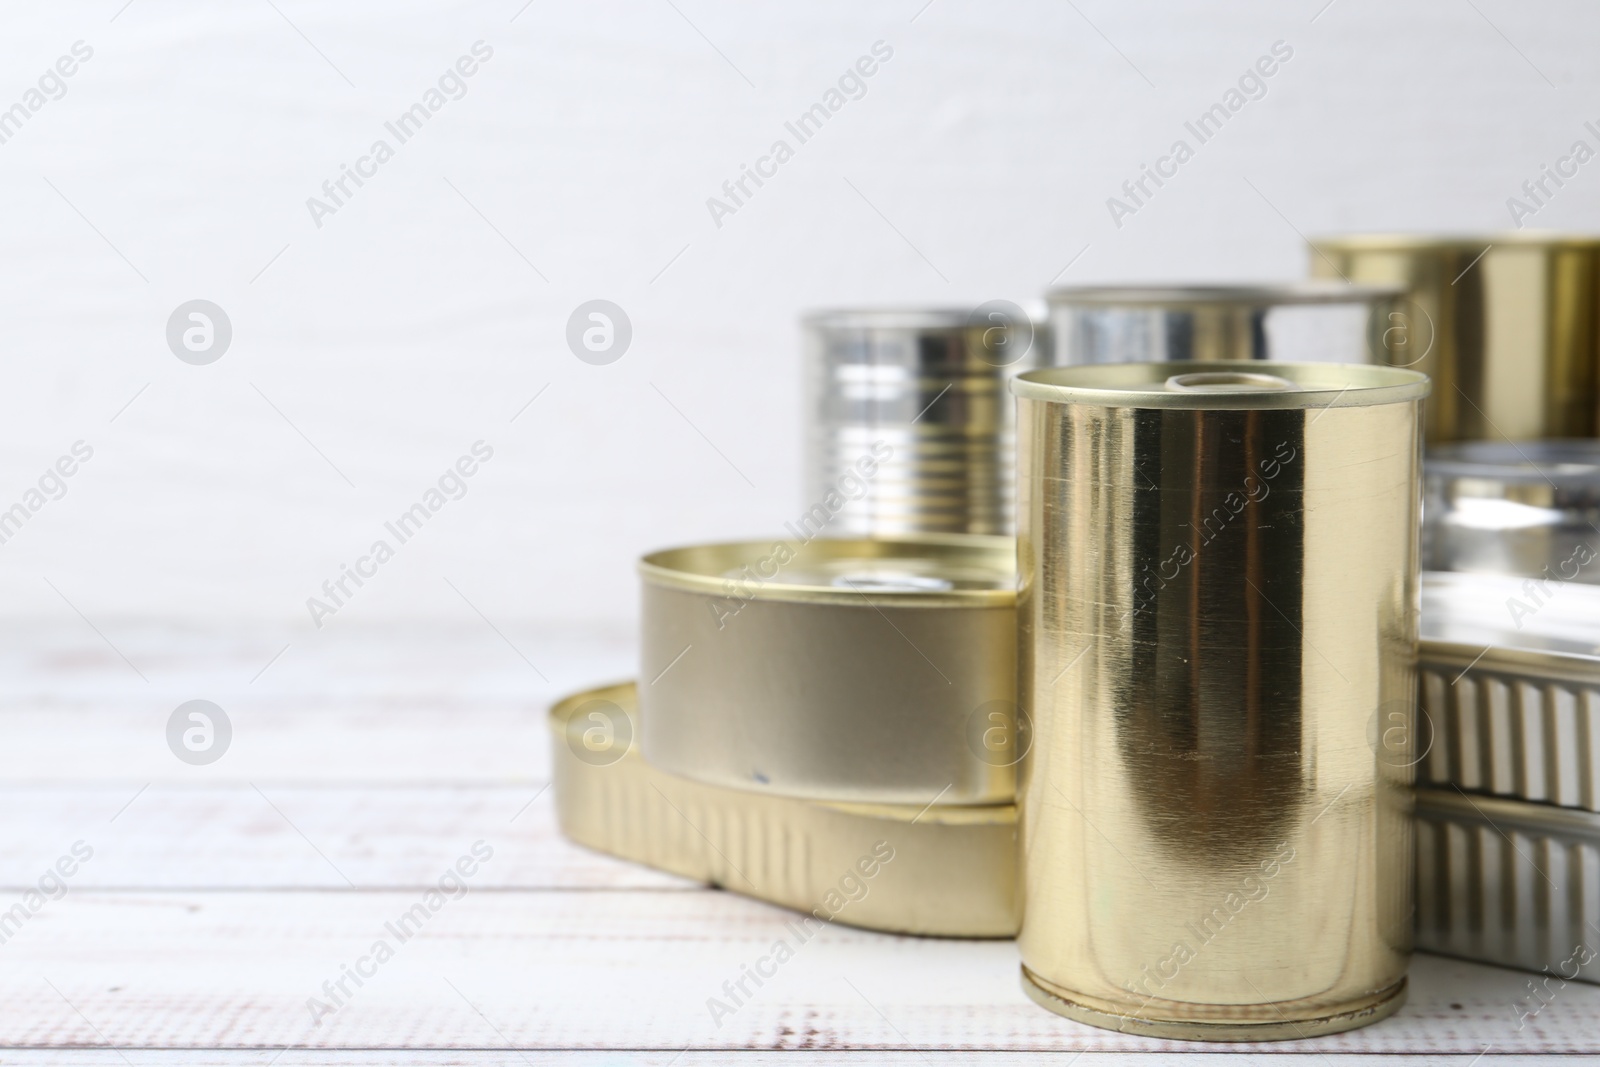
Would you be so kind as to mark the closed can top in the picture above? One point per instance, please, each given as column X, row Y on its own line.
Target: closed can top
column 868, row 670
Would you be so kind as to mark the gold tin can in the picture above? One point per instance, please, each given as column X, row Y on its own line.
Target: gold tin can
column 1217, row 609
column 868, row 670
column 1506, row 325
column 939, row 869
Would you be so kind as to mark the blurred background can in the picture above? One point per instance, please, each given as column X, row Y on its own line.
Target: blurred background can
column 1502, row 507
column 1217, row 626
column 1506, row 325
column 1305, row 322
column 909, row 426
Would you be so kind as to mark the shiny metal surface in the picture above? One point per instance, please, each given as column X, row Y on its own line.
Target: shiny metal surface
column 1507, row 325
column 1512, row 883
column 864, row 670
column 1307, row 322
column 908, row 424
column 1531, row 508
column 950, row 870
column 1511, row 688
column 1217, row 612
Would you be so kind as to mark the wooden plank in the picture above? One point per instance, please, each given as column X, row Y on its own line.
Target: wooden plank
column 438, row 705
column 296, row 837
column 565, row 970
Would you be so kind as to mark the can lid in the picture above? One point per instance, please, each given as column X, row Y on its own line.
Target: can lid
column 1473, row 614
column 888, row 318
column 1445, row 242
column 1571, row 463
column 1262, row 295
column 1212, row 385
column 929, row 570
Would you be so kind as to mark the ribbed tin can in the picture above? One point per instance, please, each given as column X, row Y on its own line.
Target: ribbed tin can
column 931, row 869
column 1507, row 326
column 1528, row 508
column 1511, row 883
column 1511, row 689
column 1303, row 322
column 908, row 423
column 874, row 670
column 1217, row 611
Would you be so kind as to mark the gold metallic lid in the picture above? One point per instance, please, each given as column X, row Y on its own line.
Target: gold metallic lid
column 930, row 570
column 1195, row 385
column 932, row 869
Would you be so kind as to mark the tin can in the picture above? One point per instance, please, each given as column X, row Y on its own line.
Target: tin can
column 1511, row 688
column 868, row 670
column 1304, row 322
column 1507, row 326
column 1218, row 602
column 1510, row 883
column 937, row 869
column 909, row 427
column 1499, row 507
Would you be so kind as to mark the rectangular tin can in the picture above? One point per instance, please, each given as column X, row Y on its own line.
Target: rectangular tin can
column 1511, row 883
column 940, row 870
column 1510, row 671
column 1215, row 844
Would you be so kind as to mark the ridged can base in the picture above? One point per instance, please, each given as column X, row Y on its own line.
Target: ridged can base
column 1361, row 1013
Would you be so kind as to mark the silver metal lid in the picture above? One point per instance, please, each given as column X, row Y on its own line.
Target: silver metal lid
column 1507, row 618
column 1246, row 295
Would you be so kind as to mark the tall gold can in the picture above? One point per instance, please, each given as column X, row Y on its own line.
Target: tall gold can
column 1218, row 641
column 1507, row 325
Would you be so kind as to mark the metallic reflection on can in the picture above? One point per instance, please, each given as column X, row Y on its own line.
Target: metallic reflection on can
column 1307, row 322
column 1218, row 622
column 1497, row 507
column 909, row 426
column 1506, row 325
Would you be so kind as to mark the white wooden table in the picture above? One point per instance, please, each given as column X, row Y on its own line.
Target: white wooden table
column 219, row 899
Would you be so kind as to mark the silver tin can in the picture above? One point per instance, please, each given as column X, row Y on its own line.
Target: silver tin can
column 1510, row 691
column 1511, row 883
column 1306, row 322
column 1499, row 507
column 909, row 428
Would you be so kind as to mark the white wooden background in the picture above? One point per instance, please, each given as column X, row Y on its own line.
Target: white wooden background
column 219, row 898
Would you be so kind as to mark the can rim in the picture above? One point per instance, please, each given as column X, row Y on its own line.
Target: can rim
column 1446, row 242
column 1570, row 462
column 702, row 568
column 1250, row 294
column 1144, row 385
column 896, row 318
